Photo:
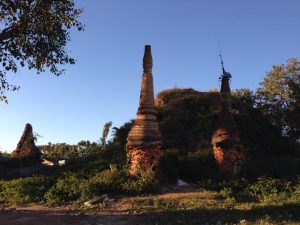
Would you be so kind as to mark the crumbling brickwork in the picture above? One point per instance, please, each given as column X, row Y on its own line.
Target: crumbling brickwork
column 143, row 141
column 144, row 158
column 26, row 151
column 227, row 149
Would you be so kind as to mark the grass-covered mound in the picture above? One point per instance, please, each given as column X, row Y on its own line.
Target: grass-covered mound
column 187, row 119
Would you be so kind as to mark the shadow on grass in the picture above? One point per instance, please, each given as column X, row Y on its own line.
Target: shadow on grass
column 276, row 214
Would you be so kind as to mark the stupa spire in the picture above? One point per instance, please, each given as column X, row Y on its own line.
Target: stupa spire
column 227, row 150
column 225, row 118
column 147, row 60
column 143, row 141
column 222, row 63
column 225, row 76
column 146, row 104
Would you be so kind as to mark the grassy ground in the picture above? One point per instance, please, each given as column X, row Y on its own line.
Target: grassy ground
column 184, row 207
column 205, row 207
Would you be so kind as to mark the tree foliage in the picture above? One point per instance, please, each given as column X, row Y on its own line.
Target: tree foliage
column 244, row 99
column 105, row 132
column 34, row 34
column 279, row 97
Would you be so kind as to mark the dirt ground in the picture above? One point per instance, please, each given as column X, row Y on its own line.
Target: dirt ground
column 119, row 213
column 169, row 208
column 41, row 215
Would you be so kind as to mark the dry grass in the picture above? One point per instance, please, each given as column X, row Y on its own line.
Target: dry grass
column 204, row 207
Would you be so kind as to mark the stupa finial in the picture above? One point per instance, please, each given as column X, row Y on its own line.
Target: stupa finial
column 224, row 73
column 147, row 60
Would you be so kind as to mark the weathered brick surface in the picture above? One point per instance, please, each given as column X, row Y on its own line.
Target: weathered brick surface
column 144, row 158
column 228, row 151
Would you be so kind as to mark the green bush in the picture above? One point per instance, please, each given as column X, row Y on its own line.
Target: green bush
column 268, row 190
column 24, row 190
column 145, row 183
column 227, row 195
column 295, row 196
column 110, row 181
column 115, row 153
column 2, row 183
column 65, row 189
column 197, row 166
column 168, row 166
column 107, row 181
column 260, row 163
column 190, row 166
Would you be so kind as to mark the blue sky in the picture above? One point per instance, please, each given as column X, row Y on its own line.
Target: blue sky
column 104, row 84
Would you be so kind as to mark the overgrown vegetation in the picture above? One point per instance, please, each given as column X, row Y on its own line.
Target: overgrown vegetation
column 70, row 186
column 92, row 169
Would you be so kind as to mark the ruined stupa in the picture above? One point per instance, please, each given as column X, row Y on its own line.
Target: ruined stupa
column 26, row 151
column 143, row 141
column 227, row 150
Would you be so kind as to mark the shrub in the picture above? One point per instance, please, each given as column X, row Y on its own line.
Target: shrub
column 115, row 153
column 295, row 197
column 227, row 195
column 67, row 188
column 197, row 166
column 107, row 181
column 24, row 190
column 268, row 190
column 145, row 183
column 110, row 181
column 168, row 166
column 262, row 164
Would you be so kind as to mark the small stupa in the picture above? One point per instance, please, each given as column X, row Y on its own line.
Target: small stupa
column 227, row 149
column 143, row 141
column 26, row 151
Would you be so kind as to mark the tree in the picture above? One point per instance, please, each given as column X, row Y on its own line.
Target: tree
column 279, row 97
column 34, row 34
column 120, row 134
column 244, row 99
column 106, row 129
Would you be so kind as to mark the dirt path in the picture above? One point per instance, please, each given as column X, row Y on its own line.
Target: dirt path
column 42, row 215
column 119, row 213
column 26, row 217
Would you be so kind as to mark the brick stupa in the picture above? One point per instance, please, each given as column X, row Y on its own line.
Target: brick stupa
column 143, row 141
column 26, row 151
column 227, row 150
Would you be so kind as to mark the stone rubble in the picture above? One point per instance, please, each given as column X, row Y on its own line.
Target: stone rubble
column 99, row 199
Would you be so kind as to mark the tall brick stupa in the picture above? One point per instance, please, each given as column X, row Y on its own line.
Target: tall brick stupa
column 227, row 149
column 143, row 141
